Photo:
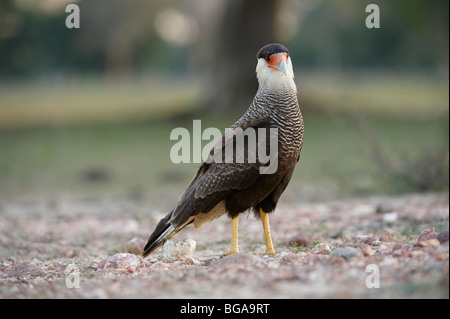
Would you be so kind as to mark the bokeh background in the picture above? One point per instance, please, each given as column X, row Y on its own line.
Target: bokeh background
column 88, row 112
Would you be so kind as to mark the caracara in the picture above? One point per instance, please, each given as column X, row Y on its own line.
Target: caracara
column 243, row 181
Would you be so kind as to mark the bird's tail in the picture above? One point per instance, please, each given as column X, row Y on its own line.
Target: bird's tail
column 164, row 230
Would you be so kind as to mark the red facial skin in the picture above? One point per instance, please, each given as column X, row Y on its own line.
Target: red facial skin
column 275, row 60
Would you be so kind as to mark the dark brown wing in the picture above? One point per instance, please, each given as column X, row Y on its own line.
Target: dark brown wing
column 215, row 180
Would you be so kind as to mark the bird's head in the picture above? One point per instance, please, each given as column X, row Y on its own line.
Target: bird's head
column 274, row 68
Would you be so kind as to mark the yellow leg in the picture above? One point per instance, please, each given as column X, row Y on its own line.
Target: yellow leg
column 267, row 236
column 234, row 236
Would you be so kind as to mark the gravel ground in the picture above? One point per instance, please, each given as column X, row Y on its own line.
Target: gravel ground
column 383, row 247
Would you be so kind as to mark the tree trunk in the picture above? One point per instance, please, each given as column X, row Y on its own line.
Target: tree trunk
column 245, row 27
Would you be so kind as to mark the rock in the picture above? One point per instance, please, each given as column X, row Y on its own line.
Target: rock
column 300, row 240
column 390, row 239
column 192, row 262
column 346, row 252
column 132, row 269
column 347, row 238
column 390, row 217
column 384, row 248
column 400, row 249
column 383, row 208
column 70, row 253
column 101, row 264
column 363, row 210
column 120, row 261
column 427, row 234
column 135, row 246
column 363, row 239
column 427, row 243
column 175, row 249
column 443, row 237
column 321, row 248
column 336, row 234
column 365, row 249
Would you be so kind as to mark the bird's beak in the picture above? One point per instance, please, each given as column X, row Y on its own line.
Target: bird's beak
column 278, row 62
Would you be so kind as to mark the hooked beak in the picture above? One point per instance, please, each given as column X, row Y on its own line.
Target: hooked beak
column 279, row 62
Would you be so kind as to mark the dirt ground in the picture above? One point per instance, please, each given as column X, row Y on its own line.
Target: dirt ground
column 379, row 247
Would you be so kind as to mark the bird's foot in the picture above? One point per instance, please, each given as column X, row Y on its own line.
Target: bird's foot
column 231, row 252
column 270, row 252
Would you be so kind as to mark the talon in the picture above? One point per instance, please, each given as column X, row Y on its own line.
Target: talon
column 231, row 252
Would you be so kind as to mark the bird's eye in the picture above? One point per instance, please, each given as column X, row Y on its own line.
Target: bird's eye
column 267, row 57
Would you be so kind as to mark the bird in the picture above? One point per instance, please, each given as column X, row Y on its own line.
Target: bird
column 239, row 186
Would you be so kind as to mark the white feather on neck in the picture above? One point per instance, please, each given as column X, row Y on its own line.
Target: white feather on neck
column 275, row 79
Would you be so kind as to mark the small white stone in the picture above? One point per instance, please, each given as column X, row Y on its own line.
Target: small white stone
column 390, row 217
column 175, row 249
column 363, row 210
column 122, row 261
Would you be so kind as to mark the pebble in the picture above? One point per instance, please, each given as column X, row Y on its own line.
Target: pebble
column 383, row 208
column 178, row 250
column 365, row 249
column 383, row 249
column 363, row 210
column 390, row 217
column 427, row 234
column 400, row 249
column 390, row 239
column 300, row 240
column 70, row 253
column 364, row 239
column 321, row 248
column 443, row 237
column 120, row 261
column 135, row 246
column 192, row 262
column 427, row 243
column 346, row 252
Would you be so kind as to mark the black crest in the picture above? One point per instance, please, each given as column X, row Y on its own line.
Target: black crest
column 270, row 49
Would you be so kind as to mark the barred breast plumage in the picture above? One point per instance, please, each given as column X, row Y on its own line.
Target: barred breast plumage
column 283, row 112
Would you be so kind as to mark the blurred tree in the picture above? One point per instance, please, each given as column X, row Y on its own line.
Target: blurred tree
column 244, row 27
column 112, row 34
column 428, row 26
column 115, row 28
column 413, row 35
